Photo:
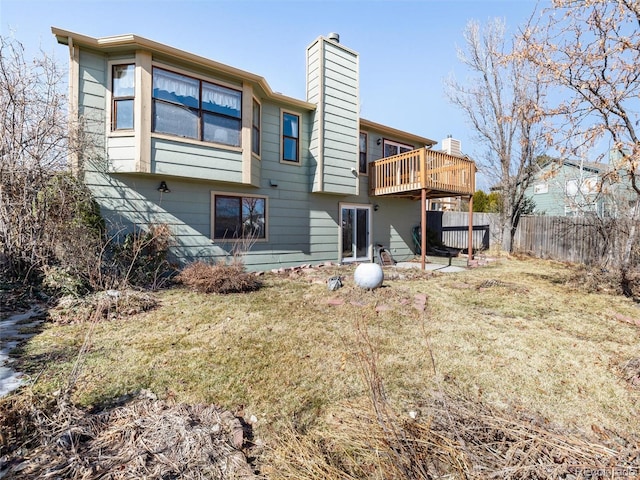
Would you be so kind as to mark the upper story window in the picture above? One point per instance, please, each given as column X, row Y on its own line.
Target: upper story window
column 391, row 148
column 540, row 188
column 362, row 161
column 123, row 93
column 193, row 108
column 255, row 135
column 290, row 137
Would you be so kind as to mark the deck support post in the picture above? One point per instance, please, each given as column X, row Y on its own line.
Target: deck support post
column 423, row 228
column 470, row 251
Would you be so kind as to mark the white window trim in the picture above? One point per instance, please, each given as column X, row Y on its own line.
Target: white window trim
column 238, row 240
column 280, row 153
column 589, row 181
column 540, row 188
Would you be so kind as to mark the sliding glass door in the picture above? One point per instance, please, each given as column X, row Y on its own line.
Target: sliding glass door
column 355, row 225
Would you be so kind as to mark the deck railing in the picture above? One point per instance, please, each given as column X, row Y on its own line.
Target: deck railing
column 422, row 169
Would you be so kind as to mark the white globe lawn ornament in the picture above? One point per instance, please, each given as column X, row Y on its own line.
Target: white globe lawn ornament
column 368, row 275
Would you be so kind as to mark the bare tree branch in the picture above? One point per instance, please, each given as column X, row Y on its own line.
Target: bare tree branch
column 502, row 100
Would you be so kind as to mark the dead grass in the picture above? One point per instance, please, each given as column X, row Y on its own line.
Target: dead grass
column 513, row 336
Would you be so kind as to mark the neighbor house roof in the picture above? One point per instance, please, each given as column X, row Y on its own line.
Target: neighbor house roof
column 594, row 167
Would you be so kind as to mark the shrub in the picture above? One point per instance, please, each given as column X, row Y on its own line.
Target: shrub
column 140, row 260
column 208, row 278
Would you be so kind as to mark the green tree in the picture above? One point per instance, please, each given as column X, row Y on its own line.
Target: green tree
column 480, row 201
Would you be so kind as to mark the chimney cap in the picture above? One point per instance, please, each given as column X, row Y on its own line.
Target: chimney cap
column 334, row 37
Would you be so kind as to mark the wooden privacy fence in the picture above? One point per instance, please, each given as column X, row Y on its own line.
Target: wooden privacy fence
column 572, row 239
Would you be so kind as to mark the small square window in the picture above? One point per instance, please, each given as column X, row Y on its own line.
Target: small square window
column 236, row 217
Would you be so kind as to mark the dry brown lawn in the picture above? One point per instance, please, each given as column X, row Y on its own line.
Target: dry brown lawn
column 519, row 335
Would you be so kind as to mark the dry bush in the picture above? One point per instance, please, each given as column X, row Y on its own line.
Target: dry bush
column 207, row 278
column 603, row 280
column 141, row 260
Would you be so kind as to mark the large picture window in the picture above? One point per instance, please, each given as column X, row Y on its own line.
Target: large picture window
column 290, row 137
column 192, row 108
column 123, row 94
column 236, row 216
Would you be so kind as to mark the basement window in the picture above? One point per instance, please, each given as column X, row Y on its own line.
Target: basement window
column 238, row 217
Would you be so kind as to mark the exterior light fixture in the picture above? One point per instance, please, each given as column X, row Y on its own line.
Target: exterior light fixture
column 163, row 187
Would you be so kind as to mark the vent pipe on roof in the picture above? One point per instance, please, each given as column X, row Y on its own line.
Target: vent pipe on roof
column 334, row 37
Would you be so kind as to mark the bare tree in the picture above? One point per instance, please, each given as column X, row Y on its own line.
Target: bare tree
column 590, row 53
column 41, row 203
column 502, row 100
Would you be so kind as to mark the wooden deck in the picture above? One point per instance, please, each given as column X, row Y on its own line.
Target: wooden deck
column 408, row 174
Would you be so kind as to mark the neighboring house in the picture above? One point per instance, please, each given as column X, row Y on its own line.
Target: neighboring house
column 213, row 152
column 568, row 188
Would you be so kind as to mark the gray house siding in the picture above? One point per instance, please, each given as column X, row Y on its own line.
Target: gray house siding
column 92, row 95
column 173, row 157
column 332, row 83
column 121, row 152
column 303, row 222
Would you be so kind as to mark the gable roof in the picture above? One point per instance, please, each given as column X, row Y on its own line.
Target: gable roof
column 119, row 43
column 128, row 42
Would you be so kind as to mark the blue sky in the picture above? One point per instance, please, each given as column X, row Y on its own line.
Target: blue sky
column 407, row 48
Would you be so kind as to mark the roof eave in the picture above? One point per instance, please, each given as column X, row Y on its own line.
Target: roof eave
column 130, row 41
column 395, row 132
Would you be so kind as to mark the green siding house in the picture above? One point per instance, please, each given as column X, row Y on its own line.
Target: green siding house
column 568, row 188
column 227, row 163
